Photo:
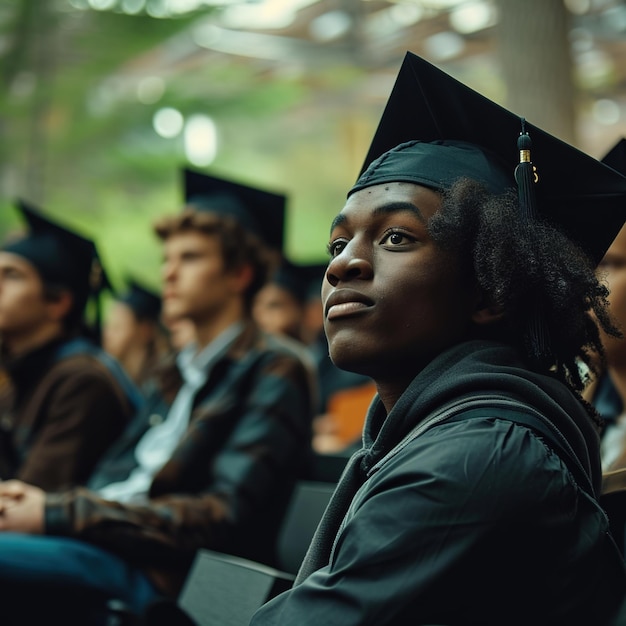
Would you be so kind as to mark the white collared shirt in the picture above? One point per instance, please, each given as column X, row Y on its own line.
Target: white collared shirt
column 157, row 445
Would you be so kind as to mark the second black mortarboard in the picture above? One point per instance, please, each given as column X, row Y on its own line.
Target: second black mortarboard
column 475, row 137
column 259, row 211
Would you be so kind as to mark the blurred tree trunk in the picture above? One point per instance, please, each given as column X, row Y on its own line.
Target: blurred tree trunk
column 532, row 38
column 30, row 59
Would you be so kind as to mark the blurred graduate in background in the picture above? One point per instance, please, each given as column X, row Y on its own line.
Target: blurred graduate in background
column 133, row 332
column 290, row 305
column 64, row 400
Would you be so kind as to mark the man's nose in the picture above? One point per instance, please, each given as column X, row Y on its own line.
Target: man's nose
column 352, row 263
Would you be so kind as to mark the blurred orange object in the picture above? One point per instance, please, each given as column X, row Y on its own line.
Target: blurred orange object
column 348, row 408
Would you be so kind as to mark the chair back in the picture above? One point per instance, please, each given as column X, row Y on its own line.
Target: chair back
column 304, row 512
column 613, row 501
column 226, row 590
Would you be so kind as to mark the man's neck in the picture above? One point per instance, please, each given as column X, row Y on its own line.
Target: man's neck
column 16, row 345
column 208, row 330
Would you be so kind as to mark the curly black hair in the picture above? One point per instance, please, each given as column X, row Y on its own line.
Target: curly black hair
column 527, row 270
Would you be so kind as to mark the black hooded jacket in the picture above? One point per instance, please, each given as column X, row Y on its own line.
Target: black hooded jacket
column 475, row 521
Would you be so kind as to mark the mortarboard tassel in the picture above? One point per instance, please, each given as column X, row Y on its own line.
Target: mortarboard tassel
column 537, row 339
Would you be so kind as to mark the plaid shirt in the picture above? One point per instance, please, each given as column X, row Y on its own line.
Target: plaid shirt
column 228, row 482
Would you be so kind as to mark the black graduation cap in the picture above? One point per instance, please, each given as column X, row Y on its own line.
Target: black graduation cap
column 258, row 211
column 145, row 303
column 298, row 279
column 62, row 257
column 616, row 157
column 472, row 136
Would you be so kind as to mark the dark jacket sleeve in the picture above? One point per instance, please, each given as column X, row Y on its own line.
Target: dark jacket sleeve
column 85, row 412
column 201, row 497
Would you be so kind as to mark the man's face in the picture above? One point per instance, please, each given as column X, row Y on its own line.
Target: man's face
column 120, row 332
column 612, row 271
column 196, row 284
column 277, row 311
column 23, row 308
column 392, row 299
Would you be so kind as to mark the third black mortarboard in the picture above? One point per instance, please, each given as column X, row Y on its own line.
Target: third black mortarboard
column 574, row 192
column 258, row 211
column 145, row 303
column 297, row 279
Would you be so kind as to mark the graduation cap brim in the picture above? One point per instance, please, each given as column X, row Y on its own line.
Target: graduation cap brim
column 616, row 157
column 60, row 254
column 259, row 211
column 578, row 194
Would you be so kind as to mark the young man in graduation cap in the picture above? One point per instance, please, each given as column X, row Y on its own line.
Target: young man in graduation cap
column 474, row 497
column 133, row 332
column 217, row 473
column 66, row 403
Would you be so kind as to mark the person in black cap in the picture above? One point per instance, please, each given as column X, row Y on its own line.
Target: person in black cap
column 279, row 305
column 285, row 305
column 462, row 280
column 65, row 401
column 133, row 332
column 218, row 471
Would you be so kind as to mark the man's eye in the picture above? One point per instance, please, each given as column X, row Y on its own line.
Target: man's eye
column 396, row 238
column 336, row 247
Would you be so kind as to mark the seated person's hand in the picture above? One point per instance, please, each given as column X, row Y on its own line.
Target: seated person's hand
column 21, row 507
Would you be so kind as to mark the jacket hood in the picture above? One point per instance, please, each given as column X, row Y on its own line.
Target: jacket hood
column 482, row 367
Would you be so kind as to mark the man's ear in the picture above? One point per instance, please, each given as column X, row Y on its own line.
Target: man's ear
column 486, row 312
column 59, row 304
column 243, row 276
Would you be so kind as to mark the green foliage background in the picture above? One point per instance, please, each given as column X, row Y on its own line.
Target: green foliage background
column 103, row 170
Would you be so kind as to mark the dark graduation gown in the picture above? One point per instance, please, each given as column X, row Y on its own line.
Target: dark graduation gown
column 471, row 522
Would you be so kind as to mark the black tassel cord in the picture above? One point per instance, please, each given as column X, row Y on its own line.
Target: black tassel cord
column 537, row 338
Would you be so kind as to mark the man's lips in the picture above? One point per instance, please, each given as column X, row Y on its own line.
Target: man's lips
column 345, row 302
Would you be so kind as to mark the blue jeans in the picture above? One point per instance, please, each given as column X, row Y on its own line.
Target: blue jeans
column 66, row 580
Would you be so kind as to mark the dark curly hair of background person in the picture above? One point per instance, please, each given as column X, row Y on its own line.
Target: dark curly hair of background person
column 518, row 265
